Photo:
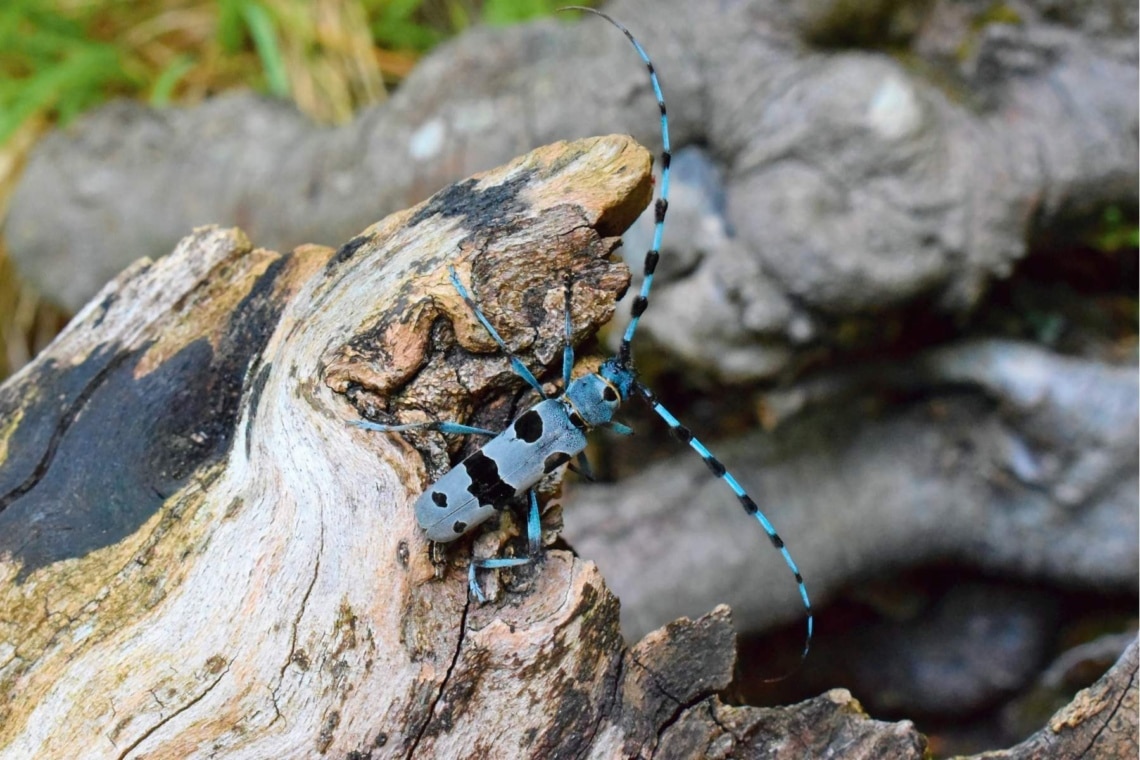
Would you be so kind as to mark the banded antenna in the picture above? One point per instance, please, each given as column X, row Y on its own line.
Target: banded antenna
column 625, row 355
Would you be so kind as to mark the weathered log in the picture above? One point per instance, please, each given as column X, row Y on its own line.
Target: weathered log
column 856, row 174
column 1043, row 488
column 1100, row 721
column 200, row 556
column 199, row 553
column 857, row 191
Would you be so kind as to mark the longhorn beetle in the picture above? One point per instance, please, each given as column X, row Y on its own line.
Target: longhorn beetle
column 551, row 433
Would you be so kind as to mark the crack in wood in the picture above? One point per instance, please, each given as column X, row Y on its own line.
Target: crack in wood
column 162, row 722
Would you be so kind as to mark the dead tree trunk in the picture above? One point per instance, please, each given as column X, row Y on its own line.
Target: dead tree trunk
column 199, row 556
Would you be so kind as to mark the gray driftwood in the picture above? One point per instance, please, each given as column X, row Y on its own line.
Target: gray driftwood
column 877, row 165
column 1016, row 459
column 874, row 153
column 1099, row 722
column 199, row 556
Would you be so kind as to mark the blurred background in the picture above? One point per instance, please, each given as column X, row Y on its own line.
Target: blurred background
column 328, row 59
column 898, row 295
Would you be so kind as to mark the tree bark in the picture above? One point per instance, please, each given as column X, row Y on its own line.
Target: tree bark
column 200, row 556
column 1099, row 722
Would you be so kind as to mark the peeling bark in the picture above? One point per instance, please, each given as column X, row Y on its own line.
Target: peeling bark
column 200, row 556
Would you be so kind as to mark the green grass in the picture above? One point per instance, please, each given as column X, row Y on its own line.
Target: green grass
column 243, row 21
column 60, row 57
column 400, row 24
column 50, row 66
column 1116, row 231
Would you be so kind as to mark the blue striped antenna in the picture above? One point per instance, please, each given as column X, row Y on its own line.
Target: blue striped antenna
column 552, row 433
column 624, row 358
column 684, row 435
column 641, row 302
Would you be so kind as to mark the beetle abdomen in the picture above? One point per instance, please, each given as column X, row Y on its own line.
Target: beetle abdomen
column 539, row 441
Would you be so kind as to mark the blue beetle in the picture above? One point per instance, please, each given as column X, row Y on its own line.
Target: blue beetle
column 553, row 432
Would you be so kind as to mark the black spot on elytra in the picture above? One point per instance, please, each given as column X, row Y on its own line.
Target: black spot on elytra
column 99, row 446
column 529, row 426
column 439, row 498
column 554, row 461
column 486, row 484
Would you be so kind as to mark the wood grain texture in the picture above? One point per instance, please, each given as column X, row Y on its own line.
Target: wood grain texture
column 1101, row 721
column 199, row 554
column 201, row 557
